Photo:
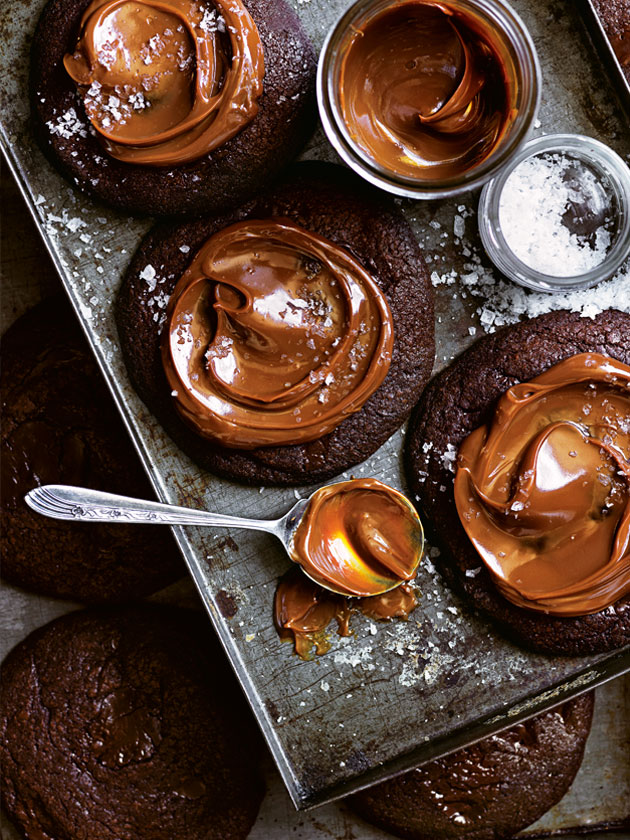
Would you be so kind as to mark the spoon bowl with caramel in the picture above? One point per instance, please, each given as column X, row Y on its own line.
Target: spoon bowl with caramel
column 357, row 538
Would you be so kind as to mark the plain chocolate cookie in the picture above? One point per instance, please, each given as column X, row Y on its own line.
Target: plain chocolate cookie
column 615, row 16
column 225, row 177
column 488, row 791
column 461, row 399
column 126, row 724
column 60, row 426
column 334, row 203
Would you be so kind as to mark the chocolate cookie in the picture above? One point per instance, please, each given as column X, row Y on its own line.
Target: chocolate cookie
column 615, row 16
column 488, row 791
column 60, row 426
column 331, row 202
column 126, row 724
column 236, row 169
column 461, row 399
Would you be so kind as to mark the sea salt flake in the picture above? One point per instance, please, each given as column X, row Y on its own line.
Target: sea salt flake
column 542, row 200
column 212, row 21
column 148, row 274
column 449, row 457
column 67, row 125
column 138, row 101
column 74, row 224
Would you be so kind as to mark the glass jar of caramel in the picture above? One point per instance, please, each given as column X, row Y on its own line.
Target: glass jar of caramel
column 428, row 99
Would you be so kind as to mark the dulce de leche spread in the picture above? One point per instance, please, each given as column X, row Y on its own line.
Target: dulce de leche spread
column 166, row 81
column 358, row 538
column 303, row 610
column 543, row 492
column 423, row 91
column 274, row 335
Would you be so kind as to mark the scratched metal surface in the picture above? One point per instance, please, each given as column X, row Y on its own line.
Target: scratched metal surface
column 392, row 695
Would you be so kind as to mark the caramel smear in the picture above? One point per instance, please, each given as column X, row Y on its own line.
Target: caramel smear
column 274, row 335
column 543, row 492
column 165, row 82
column 303, row 611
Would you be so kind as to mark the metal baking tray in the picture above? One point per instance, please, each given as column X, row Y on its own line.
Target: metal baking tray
column 393, row 695
column 600, row 794
column 605, row 49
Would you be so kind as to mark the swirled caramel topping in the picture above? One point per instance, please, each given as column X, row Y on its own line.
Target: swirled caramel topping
column 274, row 335
column 423, row 91
column 303, row 611
column 544, row 491
column 358, row 538
column 167, row 81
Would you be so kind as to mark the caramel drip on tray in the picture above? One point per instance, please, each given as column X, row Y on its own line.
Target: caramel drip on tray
column 303, row 611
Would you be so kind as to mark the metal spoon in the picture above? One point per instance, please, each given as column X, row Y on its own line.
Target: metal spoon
column 79, row 504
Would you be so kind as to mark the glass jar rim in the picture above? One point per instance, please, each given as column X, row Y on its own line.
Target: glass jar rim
column 495, row 11
column 493, row 239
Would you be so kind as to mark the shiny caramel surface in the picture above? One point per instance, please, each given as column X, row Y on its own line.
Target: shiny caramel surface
column 543, row 492
column 167, row 81
column 358, row 538
column 274, row 335
column 423, row 91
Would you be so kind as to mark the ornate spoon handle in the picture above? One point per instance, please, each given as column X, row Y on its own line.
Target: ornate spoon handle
column 78, row 504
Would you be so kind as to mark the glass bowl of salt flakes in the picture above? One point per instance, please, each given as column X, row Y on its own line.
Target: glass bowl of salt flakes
column 558, row 216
